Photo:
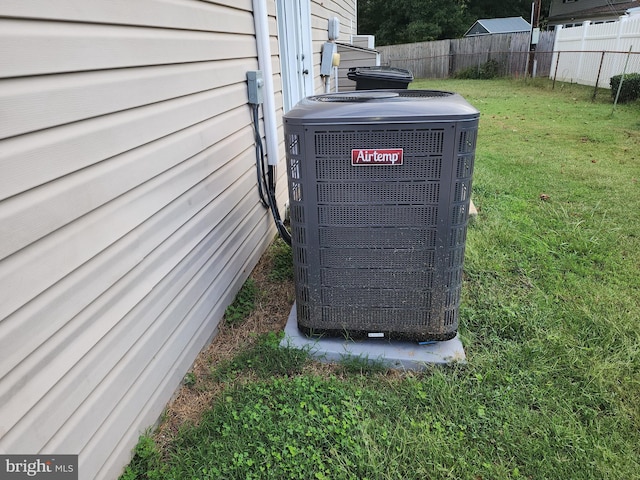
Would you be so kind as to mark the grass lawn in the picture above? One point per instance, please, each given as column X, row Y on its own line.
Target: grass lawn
column 549, row 320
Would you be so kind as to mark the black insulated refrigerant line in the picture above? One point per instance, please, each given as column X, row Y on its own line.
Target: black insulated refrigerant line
column 266, row 178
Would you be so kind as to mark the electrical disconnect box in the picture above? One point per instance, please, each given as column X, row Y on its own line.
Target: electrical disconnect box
column 255, row 85
column 329, row 51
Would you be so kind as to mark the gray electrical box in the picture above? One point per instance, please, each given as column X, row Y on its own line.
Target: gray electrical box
column 333, row 29
column 329, row 49
column 379, row 190
column 255, row 84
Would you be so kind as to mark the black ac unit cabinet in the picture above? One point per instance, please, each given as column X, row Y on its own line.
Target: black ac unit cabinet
column 379, row 189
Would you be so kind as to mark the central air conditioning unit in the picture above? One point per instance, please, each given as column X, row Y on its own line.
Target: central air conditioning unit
column 379, row 190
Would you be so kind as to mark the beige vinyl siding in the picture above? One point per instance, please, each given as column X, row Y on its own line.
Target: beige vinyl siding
column 129, row 216
column 321, row 11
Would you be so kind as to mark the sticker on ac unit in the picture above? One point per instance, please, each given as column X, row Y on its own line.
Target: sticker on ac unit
column 376, row 156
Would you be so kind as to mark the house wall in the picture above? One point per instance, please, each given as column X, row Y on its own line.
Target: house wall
column 561, row 7
column 129, row 216
column 321, row 11
column 567, row 10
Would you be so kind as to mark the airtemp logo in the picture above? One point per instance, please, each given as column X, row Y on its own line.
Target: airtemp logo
column 50, row 467
column 376, row 156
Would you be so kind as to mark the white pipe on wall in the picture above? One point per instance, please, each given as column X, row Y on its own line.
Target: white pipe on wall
column 261, row 22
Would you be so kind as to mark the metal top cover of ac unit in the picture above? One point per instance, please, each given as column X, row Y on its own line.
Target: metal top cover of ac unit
column 392, row 105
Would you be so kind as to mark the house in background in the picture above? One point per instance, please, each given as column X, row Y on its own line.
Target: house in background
column 498, row 25
column 570, row 13
column 129, row 214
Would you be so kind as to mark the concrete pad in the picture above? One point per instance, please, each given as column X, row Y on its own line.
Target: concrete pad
column 403, row 355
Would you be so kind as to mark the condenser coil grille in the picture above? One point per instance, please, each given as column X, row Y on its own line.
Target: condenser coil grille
column 335, row 169
column 414, row 142
column 379, row 247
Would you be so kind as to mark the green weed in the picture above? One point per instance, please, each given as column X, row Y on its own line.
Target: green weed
column 282, row 261
column 265, row 358
column 146, row 463
column 189, row 379
column 361, row 365
column 302, row 427
column 243, row 304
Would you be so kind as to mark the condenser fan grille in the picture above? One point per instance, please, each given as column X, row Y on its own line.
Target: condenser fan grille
column 420, row 142
column 379, row 95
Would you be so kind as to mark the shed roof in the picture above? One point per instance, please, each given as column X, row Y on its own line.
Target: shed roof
column 488, row 26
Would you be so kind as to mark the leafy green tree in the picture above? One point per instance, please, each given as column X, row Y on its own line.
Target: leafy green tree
column 407, row 21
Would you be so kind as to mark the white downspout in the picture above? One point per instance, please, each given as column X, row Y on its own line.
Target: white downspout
column 261, row 22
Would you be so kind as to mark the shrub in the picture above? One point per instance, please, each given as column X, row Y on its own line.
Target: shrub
column 486, row 71
column 630, row 89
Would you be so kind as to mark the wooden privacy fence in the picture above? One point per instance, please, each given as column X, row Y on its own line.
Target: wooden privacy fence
column 445, row 58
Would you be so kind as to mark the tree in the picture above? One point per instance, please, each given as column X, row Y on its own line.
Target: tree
column 407, row 21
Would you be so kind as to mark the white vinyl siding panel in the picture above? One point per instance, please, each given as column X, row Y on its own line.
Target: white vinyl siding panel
column 129, row 216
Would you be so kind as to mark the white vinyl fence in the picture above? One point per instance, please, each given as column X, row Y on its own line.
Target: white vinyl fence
column 593, row 53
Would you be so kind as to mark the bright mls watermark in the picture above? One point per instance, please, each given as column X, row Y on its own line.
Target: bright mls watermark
column 50, row 467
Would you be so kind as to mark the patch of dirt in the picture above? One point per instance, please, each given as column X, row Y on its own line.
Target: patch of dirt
column 272, row 310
